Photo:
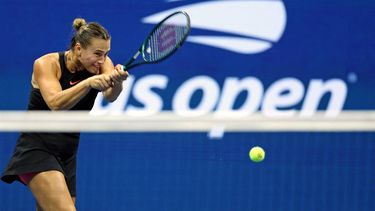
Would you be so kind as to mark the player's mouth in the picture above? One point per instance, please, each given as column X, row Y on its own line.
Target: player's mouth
column 96, row 66
column 94, row 69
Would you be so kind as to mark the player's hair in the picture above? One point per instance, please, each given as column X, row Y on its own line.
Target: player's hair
column 84, row 32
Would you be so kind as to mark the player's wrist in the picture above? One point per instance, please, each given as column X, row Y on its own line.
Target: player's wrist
column 87, row 83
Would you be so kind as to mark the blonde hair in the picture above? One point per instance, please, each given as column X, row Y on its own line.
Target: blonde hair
column 78, row 23
column 84, row 32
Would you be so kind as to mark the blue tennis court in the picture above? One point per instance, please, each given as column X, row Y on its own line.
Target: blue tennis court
column 189, row 171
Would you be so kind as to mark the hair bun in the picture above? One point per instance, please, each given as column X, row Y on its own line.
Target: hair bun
column 78, row 23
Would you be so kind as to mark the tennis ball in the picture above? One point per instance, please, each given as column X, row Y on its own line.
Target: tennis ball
column 257, row 154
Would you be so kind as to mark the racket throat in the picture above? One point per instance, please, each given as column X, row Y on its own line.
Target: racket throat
column 126, row 66
column 136, row 55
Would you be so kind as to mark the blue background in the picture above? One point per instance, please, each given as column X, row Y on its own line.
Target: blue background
column 188, row 171
column 321, row 40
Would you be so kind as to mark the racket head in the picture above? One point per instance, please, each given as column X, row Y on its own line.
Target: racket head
column 166, row 37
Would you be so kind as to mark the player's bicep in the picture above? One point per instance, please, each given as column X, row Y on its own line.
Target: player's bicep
column 46, row 77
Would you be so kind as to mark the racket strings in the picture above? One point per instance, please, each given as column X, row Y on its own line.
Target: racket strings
column 165, row 40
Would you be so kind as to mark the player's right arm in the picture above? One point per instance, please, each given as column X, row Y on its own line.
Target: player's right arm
column 46, row 75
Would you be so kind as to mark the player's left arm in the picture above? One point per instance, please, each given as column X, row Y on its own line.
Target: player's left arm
column 117, row 75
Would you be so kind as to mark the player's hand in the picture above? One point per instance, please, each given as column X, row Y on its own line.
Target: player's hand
column 118, row 75
column 100, row 82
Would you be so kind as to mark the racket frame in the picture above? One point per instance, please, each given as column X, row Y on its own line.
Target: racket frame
column 128, row 65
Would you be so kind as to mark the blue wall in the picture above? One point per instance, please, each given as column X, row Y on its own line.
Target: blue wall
column 321, row 40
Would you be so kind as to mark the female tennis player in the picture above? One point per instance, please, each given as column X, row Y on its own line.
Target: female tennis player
column 68, row 80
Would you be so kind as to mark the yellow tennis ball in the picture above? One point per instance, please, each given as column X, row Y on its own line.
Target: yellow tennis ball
column 257, row 154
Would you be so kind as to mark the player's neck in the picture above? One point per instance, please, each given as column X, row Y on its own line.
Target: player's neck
column 72, row 62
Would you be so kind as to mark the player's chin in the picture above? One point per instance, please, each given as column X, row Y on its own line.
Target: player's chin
column 94, row 69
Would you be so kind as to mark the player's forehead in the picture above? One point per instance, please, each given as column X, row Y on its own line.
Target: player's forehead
column 100, row 45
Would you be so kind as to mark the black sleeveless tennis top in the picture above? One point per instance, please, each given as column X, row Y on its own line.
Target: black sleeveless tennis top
column 67, row 80
column 43, row 151
column 64, row 144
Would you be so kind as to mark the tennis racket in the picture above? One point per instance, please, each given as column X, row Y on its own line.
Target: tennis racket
column 164, row 39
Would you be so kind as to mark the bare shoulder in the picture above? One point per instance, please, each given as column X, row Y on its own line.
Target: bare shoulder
column 51, row 58
column 107, row 67
column 46, row 66
column 48, row 62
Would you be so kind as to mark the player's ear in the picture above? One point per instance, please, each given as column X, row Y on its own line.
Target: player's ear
column 78, row 49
